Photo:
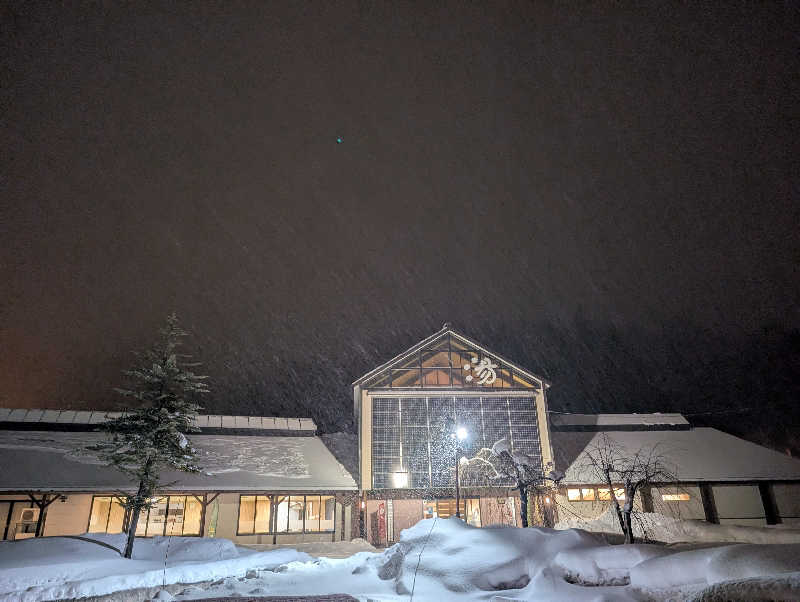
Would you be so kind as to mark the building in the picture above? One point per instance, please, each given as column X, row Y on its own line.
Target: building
column 408, row 412
column 419, row 415
column 408, row 408
column 717, row 477
column 265, row 481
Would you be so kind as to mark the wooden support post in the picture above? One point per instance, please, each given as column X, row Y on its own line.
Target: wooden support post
column 204, row 502
column 768, row 501
column 42, row 504
column 709, row 507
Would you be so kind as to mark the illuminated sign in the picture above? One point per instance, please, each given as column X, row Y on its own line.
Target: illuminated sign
column 483, row 370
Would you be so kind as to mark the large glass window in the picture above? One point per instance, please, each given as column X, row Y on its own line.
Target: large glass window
column 171, row 515
column 320, row 511
column 107, row 515
column 292, row 514
column 255, row 514
column 413, row 435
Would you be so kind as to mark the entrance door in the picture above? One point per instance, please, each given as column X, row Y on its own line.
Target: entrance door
column 445, row 508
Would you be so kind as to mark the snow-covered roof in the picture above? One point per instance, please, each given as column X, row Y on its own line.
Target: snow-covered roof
column 696, row 454
column 203, row 421
column 617, row 419
column 60, row 461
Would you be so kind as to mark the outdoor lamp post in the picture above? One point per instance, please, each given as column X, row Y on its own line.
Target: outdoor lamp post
column 459, row 436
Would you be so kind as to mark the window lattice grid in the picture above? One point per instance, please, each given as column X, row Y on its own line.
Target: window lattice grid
column 441, row 411
column 522, row 404
column 524, row 431
column 415, row 412
column 414, row 434
column 523, row 418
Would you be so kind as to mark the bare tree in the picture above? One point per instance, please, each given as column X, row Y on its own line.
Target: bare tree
column 502, row 465
column 612, row 464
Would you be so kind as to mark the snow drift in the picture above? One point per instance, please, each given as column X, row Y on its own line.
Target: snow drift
column 52, row 568
column 435, row 560
column 658, row 527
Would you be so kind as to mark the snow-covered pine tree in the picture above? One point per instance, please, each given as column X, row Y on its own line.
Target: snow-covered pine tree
column 150, row 437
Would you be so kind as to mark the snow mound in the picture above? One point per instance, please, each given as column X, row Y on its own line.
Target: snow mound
column 716, row 565
column 439, row 557
column 53, row 568
column 784, row 588
column 173, row 548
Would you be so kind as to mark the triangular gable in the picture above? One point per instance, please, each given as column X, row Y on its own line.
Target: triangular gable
column 449, row 359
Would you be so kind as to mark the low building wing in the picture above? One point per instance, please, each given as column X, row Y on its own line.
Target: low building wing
column 691, row 454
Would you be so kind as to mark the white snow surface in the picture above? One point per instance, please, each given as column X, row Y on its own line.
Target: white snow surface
column 661, row 528
column 437, row 560
column 52, row 568
column 66, row 461
column 697, row 454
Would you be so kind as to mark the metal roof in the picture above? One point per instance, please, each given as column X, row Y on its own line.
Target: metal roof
column 203, row 421
column 617, row 419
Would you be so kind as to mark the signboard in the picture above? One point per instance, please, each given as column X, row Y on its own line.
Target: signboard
column 381, row 522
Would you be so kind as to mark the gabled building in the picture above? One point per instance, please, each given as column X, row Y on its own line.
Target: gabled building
column 716, row 477
column 409, row 408
column 410, row 411
column 274, row 480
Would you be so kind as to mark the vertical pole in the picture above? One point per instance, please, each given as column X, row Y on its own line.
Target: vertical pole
column 458, row 492
column 42, row 509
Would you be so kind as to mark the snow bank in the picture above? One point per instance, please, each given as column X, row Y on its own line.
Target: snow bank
column 658, row 527
column 716, row 565
column 63, row 567
column 437, row 558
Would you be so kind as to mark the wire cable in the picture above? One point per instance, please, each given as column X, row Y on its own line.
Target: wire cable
column 416, row 568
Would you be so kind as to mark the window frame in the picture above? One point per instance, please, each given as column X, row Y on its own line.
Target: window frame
column 127, row 516
column 273, row 519
column 595, row 493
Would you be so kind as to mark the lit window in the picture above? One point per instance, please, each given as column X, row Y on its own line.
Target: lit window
column 473, row 512
column 312, row 512
column 263, row 515
column 675, row 497
column 327, row 513
column 255, row 514
column 247, row 514
column 603, row 493
column 296, row 511
column 170, row 515
column 574, row 495
column 470, row 509
column 587, row 494
column 107, row 515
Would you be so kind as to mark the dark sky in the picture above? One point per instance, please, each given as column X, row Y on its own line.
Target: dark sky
column 608, row 196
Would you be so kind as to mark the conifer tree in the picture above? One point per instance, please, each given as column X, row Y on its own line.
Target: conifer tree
column 150, row 437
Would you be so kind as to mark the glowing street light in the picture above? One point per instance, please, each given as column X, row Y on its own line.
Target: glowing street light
column 400, row 479
column 461, row 433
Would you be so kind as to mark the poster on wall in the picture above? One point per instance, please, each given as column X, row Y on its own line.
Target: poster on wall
column 381, row 522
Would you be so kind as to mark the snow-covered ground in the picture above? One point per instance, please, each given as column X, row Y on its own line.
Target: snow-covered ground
column 54, row 568
column 437, row 559
column 665, row 529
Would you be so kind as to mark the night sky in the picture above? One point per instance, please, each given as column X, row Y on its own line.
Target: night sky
column 607, row 196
